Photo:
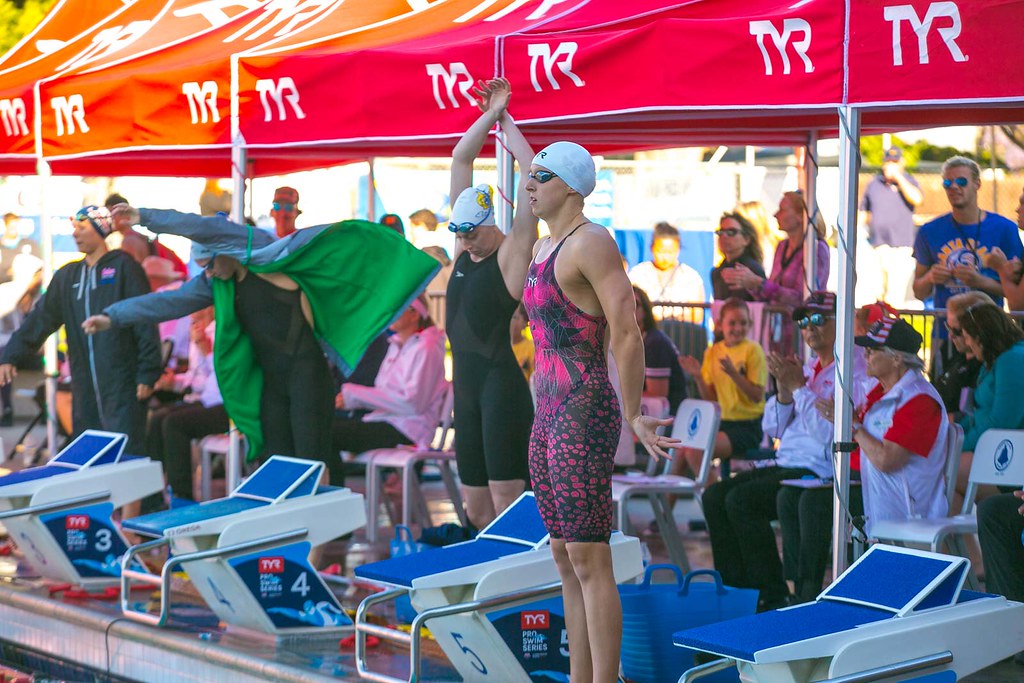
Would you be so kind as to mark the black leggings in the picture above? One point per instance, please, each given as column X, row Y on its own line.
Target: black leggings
column 170, row 440
column 297, row 403
column 297, row 409
column 354, row 435
column 493, row 417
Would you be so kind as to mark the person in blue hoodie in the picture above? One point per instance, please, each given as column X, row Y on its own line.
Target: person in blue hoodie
column 110, row 375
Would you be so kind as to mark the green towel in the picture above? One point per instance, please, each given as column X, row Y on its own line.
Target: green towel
column 358, row 277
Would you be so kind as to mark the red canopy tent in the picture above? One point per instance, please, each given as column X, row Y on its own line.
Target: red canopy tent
column 429, row 65
column 174, row 119
column 936, row 63
column 406, row 82
column 144, row 24
column 65, row 20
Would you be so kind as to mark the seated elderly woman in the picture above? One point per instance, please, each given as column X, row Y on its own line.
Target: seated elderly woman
column 993, row 337
column 405, row 400
column 900, row 428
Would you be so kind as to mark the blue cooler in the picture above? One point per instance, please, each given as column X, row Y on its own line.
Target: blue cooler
column 651, row 613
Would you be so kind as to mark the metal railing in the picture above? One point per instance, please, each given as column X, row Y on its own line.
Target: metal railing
column 690, row 326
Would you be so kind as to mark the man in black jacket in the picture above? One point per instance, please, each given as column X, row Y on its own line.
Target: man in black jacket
column 110, row 374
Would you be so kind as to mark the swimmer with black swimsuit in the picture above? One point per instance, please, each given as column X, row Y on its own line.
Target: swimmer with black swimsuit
column 493, row 408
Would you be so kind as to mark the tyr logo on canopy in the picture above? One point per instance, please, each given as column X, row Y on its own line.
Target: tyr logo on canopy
column 897, row 14
column 781, row 41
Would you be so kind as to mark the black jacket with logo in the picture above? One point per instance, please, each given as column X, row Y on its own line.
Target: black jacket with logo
column 106, row 367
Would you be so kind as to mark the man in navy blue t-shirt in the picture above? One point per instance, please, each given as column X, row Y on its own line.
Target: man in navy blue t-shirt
column 950, row 251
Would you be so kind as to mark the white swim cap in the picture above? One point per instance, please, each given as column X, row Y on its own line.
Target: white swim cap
column 570, row 162
column 473, row 208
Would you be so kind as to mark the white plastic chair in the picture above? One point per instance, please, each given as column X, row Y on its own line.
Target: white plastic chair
column 404, row 459
column 994, row 463
column 696, row 425
column 220, row 445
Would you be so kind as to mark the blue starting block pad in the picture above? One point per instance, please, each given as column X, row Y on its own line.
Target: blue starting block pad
column 248, row 554
column 893, row 607
column 465, row 591
column 59, row 514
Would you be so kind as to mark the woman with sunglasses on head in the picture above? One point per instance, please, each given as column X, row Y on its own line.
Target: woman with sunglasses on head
column 493, row 408
column 579, row 300
column 788, row 282
column 739, row 243
column 994, row 338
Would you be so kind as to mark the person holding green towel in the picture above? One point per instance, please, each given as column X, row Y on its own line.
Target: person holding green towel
column 279, row 307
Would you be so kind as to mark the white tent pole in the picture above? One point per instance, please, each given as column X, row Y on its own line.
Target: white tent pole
column 849, row 161
column 506, row 182
column 239, row 161
column 811, row 199
column 371, row 198
column 239, row 164
column 50, row 367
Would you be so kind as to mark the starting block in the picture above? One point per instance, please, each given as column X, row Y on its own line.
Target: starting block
column 59, row 514
column 488, row 601
column 248, row 554
column 896, row 613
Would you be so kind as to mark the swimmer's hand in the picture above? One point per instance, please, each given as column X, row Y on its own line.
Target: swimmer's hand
column 646, row 429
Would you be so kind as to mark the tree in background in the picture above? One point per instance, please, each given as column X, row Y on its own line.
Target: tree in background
column 914, row 153
column 18, row 17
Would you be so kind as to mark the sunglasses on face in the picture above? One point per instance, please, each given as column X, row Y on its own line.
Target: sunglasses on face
column 955, row 331
column 542, row 176
column 278, row 206
column 812, row 320
column 728, row 232
column 948, row 182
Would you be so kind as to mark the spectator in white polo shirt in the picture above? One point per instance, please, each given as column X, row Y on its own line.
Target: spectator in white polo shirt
column 900, row 428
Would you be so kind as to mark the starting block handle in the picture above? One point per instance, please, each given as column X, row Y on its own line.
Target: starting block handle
column 708, row 669
column 88, row 499
column 364, row 628
column 884, row 673
column 128, row 575
column 414, row 637
column 164, row 580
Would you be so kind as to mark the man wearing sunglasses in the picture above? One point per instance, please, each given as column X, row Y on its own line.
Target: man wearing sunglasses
column 285, row 210
column 887, row 213
column 951, row 251
column 109, row 376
